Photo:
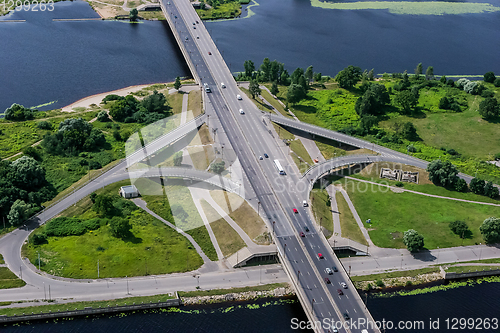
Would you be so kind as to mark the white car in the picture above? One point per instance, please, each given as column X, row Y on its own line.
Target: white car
column 239, row 97
column 222, row 85
column 242, row 112
column 344, row 285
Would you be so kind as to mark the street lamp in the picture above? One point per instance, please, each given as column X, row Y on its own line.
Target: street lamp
column 480, row 250
column 274, row 222
column 258, row 208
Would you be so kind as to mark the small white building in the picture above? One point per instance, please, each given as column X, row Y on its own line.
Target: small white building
column 129, row 191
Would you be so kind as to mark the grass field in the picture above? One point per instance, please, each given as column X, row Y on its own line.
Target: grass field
column 300, row 155
column 241, row 213
column 472, row 268
column 152, row 248
column 394, row 213
column 228, row 239
column 9, row 279
column 226, row 10
column 83, row 305
column 267, row 96
column 194, row 103
column 322, row 211
column 395, row 274
column 348, row 225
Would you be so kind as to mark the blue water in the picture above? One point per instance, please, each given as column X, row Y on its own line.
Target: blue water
column 43, row 60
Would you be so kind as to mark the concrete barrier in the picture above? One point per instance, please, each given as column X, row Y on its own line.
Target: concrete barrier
column 470, row 274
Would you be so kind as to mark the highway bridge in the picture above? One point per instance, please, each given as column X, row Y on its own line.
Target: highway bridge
column 305, row 259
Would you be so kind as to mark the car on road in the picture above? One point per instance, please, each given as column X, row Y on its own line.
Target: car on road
column 320, row 256
column 197, row 37
column 346, row 316
column 306, row 228
column 344, row 285
column 340, row 291
column 197, row 22
column 328, row 271
column 187, row 38
column 295, row 210
column 260, row 158
column 335, row 269
column 239, row 97
column 222, row 85
column 243, row 112
column 209, row 53
column 194, row 27
column 327, row 280
column 315, row 160
column 335, row 330
column 194, row 23
column 266, row 156
column 175, row 16
column 304, row 203
column 302, row 234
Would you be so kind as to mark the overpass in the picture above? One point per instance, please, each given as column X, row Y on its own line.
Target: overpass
column 278, row 195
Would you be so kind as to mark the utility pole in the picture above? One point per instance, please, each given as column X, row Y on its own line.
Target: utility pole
column 44, row 292
column 38, row 260
column 97, row 268
column 127, row 285
column 49, row 293
column 258, row 208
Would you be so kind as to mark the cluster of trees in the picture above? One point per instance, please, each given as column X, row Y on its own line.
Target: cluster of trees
column 445, row 174
column 479, row 186
column 128, row 109
column 23, row 187
column 449, row 103
column 18, row 112
column 73, row 137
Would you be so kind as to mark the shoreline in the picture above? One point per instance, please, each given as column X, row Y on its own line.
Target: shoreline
column 97, row 98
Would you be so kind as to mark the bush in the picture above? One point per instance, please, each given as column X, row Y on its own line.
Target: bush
column 368, row 287
column 65, row 226
column 112, row 97
column 409, row 283
column 45, row 125
column 94, row 224
column 117, row 136
column 459, row 228
column 452, row 152
column 487, row 93
column 18, row 113
column 490, row 229
column 399, row 184
column 489, row 77
column 38, row 239
column 497, row 157
column 477, row 186
column 93, row 165
column 102, row 116
column 380, row 283
column 119, row 227
column 497, row 82
column 411, row 149
column 32, row 152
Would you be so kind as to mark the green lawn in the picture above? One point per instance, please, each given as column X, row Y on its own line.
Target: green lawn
column 300, row 155
column 82, row 305
column 199, row 293
column 467, row 269
column 9, row 279
column 152, row 248
column 267, row 96
column 224, row 10
column 395, row 274
column 348, row 225
column 394, row 213
column 228, row 239
column 322, row 210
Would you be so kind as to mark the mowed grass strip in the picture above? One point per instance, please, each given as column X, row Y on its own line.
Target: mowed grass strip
column 199, row 293
column 277, row 105
column 82, row 305
column 194, row 104
column 322, row 210
column 152, row 248
column 348, row 225
column 394, row 213
column 228, row 239
column 241, row 213
column 9, row 279
column 472, row 268
column 395, row 274
column 300, row 155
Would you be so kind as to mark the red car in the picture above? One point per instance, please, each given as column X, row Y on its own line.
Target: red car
column 320, row 256
column 295, row 210
column 327, row 280
column 209, row 53
column 340, row 291
column 302, row 234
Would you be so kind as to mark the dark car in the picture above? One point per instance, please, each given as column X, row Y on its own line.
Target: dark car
column 346, row 316
column 335, row 269
column 209, row 53
column 327, row 280
column 340, row 291
column 266, row 156
column 306, row 228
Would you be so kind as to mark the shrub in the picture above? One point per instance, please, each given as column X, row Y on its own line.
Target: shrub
column 471, row 88
column 452, row 152
column 100, row 249
column 38, row 239
column 119, row 227
column 490, row 229
column 18, row 112
column 399, row 184
column 94, row 224
column 487, row 93
column 368, row 287
column 477, row 186
column 117, row 136
column 411, row 149
column 380, row 283
column 497, row 157
column 489, row 77
column 459, row 228
column 409, row 283
column 65, row 226
column 45, row 125
column 497, row 82
column 93, row 165
column 102, row 116
column 31, row 152
column 112, row 97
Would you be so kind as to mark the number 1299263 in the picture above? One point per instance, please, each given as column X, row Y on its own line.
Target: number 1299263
column 27, row 5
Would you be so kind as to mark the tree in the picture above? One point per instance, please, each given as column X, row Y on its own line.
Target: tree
column 371, row 76
column 471, row 87
column 254, row 88
column 348, row 77
column 497, row 82
column 409, row 132
column 133, row 14
column 266, row 69
column 459, row 228
column 249, row 68
column 274, row 88
column 45, row 125
column 178, row 158
column 155, row 102
column 489, row 108
column 218, row 167
column 32, row 152
column 373, row 99
column 102, row 116
column 429, row 73
column 490, row 229
column 179, row 213
column 92, row 196
column 406, row 101
column 317, row 77
column 444, row 103
column 489, row 77
column 18, row 212
column 103, row 205
column 18, row 112
column 367, row 122
column 442, row 173
column 418, row 70
column 490, row 190
column 117, row 136
column 461, row 185
column 119, row 227
column 413, row 240
column 27, row 173
column 309, row 74
column 477, row 186
column 295, row 93
column 443, row 79
column 177, row 83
